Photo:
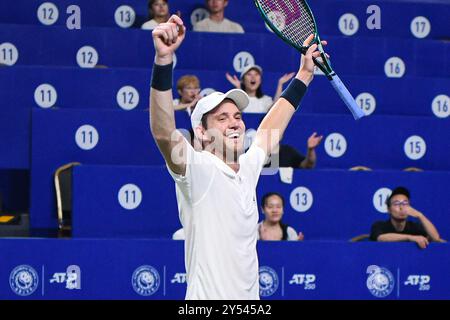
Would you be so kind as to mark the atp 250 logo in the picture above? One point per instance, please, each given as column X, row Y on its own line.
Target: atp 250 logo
column 308, row 281
column 421, row 281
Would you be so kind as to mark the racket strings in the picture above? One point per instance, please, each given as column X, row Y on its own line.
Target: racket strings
column 297, row 24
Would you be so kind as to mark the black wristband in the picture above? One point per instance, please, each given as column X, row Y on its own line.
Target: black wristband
column 162, row 77
column 295, row 92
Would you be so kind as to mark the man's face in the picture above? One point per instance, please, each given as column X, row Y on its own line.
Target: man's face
column 216, row 6
column 160, row 8
column 399, row 206
column 225, row 129
column 273, row 209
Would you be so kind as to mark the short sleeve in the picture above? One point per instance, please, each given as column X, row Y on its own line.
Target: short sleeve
column 290, row 157
column 183, row 182
column 417, row 229
column 291, row 234
column 199, row 172
column 253, row 161
column 376, row 231
column 239, row 28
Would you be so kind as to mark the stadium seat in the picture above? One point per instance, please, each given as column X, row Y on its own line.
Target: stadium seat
column 334, row 17
column 63, row 189
column 128, row 89
column 35, row 45
column 119, row 201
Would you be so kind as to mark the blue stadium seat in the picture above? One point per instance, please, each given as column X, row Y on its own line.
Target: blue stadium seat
column 126, row 201
column 396, row 16
column 97, row 212
column 205, row 51
column 93, row 13
column 99, row 88
column 123, row 138
column 15, row 138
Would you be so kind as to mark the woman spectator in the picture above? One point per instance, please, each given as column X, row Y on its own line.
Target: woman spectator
column 272, row 228
column 188, row 88
column 251, row 82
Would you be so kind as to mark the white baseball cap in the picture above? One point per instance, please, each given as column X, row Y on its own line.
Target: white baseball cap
column 208, row 103
column 251, row 67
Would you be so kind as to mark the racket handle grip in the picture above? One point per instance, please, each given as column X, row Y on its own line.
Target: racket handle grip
column 346, row 97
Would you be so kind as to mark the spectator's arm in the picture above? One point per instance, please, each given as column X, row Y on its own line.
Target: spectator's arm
column 394, row 237
column 421, row 241
column 430, row 229
column 285, row 78
column 311, row 158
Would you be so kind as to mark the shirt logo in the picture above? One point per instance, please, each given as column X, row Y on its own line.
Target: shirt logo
column 380, row 281
column 268, row 281
column 145, row 280
column 23, row 280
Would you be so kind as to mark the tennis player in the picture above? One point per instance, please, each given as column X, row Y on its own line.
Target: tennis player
column 216, row 187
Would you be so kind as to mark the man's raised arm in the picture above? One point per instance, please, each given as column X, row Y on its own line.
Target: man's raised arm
column 167, row 37
column 272, row 128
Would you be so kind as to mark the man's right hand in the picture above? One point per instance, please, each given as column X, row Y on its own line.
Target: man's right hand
column 421, row 241
column 306, row 71
column 167, row 37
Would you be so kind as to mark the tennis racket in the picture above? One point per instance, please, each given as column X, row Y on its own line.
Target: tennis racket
column 293, row 21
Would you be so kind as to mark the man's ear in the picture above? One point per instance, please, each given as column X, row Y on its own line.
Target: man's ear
column 200, row 132
column 180, row 92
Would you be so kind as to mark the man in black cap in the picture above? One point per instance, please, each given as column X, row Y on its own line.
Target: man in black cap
column 397, row 228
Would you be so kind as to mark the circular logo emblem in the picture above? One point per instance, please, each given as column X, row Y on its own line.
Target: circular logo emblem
column 380, row 281
column 23, row 280
column 268, row 281
column 145, row 280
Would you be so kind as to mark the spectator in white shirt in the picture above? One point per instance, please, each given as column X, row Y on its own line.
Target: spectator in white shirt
column 158, row 12
column 216, row 22
column 251, row 82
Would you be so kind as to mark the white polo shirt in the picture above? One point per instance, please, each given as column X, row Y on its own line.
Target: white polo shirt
column 219, row 213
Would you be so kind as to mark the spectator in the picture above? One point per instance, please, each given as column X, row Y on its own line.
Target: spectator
column 397, row 228
column 158, row 12
column 289, row 157
column 216, row 22
column 188, row 88
column 251, row 82
column 271, row 228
